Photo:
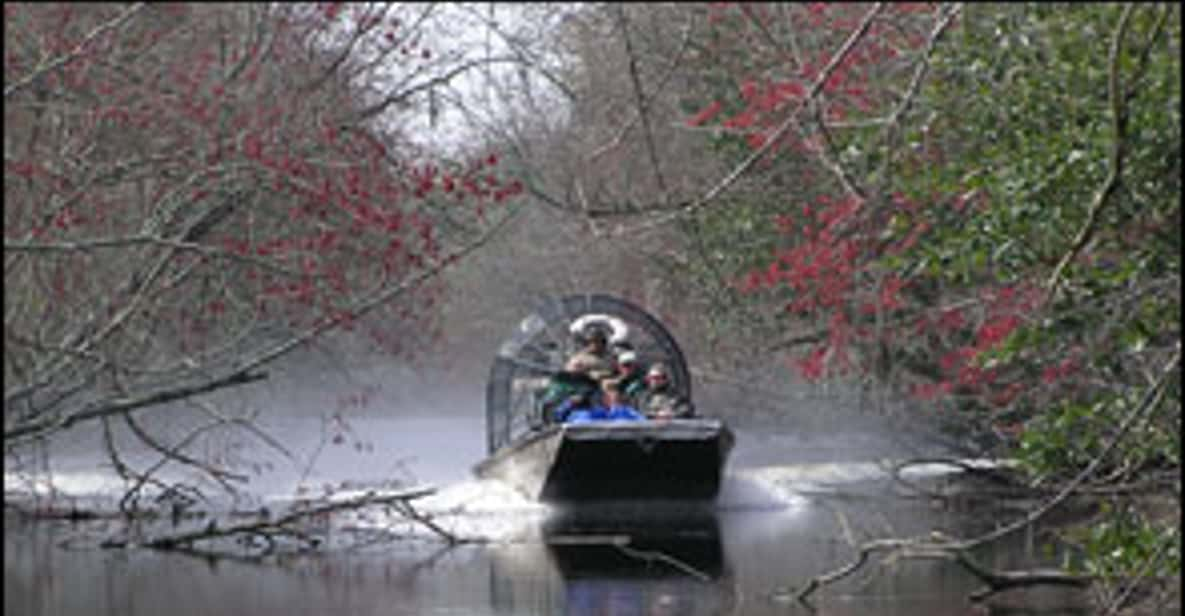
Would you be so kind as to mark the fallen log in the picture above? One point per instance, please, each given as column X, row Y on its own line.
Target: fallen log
column 269, row 528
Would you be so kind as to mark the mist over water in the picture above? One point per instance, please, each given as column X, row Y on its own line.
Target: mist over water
column 419, row 432
column 375, row 425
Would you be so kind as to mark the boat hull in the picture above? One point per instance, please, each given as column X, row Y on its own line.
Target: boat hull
column 616, row 461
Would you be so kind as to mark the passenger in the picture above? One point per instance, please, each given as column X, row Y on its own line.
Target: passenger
column 613, row 408
column 630, row 377
column 660, row 401
column 579, row 402
column 617, row 406
column 619, row 346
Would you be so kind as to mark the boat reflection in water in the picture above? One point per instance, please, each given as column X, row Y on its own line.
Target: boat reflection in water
column 619, row 558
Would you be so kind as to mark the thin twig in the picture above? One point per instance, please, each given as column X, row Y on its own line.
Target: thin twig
column 405, row 507
column 245, row 372
column 892, row 128
column 166, row 457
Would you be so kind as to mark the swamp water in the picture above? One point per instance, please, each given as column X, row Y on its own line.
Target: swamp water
column 787, row 512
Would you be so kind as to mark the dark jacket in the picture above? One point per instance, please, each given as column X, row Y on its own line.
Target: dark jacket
column 655, row 401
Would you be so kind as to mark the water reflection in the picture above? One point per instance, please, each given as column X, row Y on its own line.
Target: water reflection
column 618, row 559
column 652, row 540
column 640, row 560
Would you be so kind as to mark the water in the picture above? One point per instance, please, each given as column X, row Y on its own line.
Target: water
column 774, row 526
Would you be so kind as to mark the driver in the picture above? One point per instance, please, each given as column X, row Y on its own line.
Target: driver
column 593, row 357
column 579, row 383
column 589, row 368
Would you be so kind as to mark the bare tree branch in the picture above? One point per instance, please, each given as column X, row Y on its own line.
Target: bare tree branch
column 365, row 25
column 667, row 73
column 403, row 95
column 167, row 455
column 62, row 60
column 1118, row 149
column 640, row 100
column 177, row 454
column 43, row 425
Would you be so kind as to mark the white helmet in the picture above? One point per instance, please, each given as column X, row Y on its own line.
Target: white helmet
column 615, row 330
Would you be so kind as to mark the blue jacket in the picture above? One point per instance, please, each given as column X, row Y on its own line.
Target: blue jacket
column 569, row 413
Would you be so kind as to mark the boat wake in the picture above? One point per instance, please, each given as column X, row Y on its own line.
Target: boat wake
column 478, row 510
column 793, row 485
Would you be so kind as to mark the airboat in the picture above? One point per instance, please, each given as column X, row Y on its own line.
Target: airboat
column 671, row 459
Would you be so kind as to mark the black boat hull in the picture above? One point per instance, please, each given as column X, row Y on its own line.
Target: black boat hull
column 616, row 461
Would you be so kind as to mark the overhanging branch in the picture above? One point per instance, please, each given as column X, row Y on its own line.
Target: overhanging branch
column 31, row 430
column 791, row 121
column 1118, row 142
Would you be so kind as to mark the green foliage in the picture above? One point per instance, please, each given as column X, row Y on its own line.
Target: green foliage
column 1006, row 158
column 1024, row 119
column 1041, row 157
column 1018, row 113
column 1065, row 437
column 1125, row 542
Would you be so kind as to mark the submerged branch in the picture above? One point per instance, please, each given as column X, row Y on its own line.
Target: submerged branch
column 269, row 528
column 995, row 580
column 941, row 546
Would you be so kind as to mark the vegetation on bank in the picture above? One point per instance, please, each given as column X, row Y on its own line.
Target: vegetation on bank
column 992, row 230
